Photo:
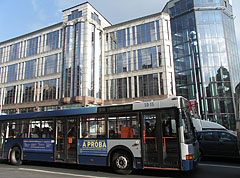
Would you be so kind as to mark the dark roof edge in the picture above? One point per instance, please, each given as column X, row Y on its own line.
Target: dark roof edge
column 31, row 33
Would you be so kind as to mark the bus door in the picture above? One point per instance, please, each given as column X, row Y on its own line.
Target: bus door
column 2, row 137
column 168, row 131
column 66, row 140
column 161, row 149
column 151, row 140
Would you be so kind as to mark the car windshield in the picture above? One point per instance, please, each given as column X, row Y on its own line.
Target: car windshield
column 188, row 127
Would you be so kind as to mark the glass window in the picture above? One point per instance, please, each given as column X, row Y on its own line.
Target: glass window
column 32, row 46
column 120, row 63
column 135, row 60
column 135, row 86
column 78, row 83
column 47, row 129
column 128, row 36
column 133, row 33
column 1, row 55
column 14, row 52
column 49, row 89
column 14, row 129
column 68, row 58
column 123, row 126
column 75, row 14
column 10, row 95
column 130, row 87
column 93, row 127
column 30, row 69
column 28, row 92
column 158, row 30
column 51, row 64
column 34, row 127
column 209, row 136
column 120, row 88
column 52, row 41
column 148, row 85
column 226, row 137
column 121, row 38
column 146, row 33
column 12, row 73
column 129, row 61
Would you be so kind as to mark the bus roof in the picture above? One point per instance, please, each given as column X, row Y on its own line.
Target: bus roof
column 56, row 113
column 177, row 102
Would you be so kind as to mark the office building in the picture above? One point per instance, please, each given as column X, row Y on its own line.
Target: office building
column 85, row 60
column 206, row 56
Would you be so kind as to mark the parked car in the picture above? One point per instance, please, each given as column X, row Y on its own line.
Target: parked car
column 218, row 143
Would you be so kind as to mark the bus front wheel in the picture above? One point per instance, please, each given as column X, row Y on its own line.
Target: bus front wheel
column 121, row 163
column 15, row 156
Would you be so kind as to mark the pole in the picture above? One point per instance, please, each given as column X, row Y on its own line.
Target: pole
column 194, row 71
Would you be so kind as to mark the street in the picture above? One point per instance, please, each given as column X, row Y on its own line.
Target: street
column 210, row 168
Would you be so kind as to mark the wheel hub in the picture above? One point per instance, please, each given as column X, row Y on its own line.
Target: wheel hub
column 121, row 162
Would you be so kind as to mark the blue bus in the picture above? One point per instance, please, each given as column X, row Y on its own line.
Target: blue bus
column 143, row 135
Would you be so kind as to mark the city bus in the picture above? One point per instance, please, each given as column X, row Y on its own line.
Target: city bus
column 142, row 135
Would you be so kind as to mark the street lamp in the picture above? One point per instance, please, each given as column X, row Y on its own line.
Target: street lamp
column 192, row 37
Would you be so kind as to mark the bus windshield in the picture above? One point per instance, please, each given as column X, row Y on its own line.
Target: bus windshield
column 188, row 127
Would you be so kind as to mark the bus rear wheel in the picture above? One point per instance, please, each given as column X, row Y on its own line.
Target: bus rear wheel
column 121, row 163
column 15, row 156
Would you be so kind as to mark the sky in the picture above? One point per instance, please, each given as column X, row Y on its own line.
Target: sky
column 19, row 17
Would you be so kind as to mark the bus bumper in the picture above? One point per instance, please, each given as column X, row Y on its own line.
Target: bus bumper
column 188, row 165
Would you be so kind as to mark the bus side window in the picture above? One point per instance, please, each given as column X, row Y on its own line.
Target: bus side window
column 47, row 128
column 93, row 127
column 35, row 131
column 123, row 126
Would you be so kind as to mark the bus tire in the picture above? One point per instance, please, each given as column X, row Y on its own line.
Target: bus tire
column 15, row 156
column 121, row 162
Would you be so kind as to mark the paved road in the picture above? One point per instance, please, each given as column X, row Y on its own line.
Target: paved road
column 207, row 169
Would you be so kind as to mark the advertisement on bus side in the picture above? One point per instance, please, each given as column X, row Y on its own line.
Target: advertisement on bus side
column 92, row 147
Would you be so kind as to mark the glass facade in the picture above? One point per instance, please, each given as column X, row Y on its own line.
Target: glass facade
column 10, row 95
column 51, row 64
column 52, row 40
column 204, row 39
column 75, row 14
column 28, row 93
column 145, row 58
column 68, row 61
column 79, row 64
column 138, row 34
column 1, row 55
column 30, row 69
column 50, row 89
column 12, row 73
column 145, row 85
column 20, row 64
column 14, row 52
column 32, row 46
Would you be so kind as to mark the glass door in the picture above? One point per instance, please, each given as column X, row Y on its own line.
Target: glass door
column 60, row 140
column 2, row 137
column 160, row 142
column 66, row 141
column 151, row 138
column 71, row 140
column 169, row 138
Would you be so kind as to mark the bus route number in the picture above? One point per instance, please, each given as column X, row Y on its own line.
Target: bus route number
column 149, row 105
